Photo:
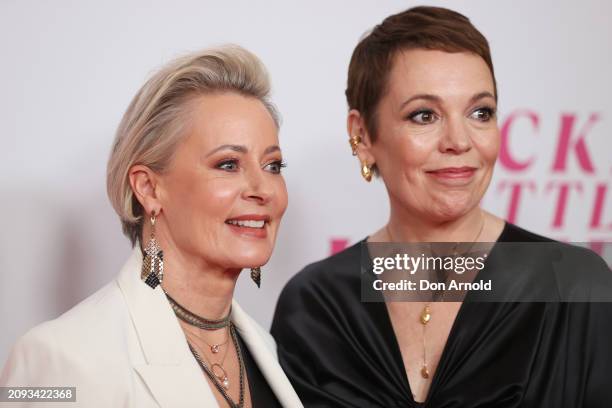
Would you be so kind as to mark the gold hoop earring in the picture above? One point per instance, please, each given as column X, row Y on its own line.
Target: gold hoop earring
column 354, row 141
column 153, row 262
column 366, row 171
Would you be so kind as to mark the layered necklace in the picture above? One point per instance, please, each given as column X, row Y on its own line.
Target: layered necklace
column 426, row 314
column 214, row 370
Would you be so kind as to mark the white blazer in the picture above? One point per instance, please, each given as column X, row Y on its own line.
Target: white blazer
column 123, row 347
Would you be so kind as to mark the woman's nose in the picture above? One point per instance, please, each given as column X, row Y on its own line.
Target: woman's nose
column 456, row 138
column 258, row 186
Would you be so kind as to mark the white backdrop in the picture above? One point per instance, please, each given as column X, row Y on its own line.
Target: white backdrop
column 69, row 68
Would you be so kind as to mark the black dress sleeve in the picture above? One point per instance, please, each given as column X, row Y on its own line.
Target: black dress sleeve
column 302, row 327
column 331, row 345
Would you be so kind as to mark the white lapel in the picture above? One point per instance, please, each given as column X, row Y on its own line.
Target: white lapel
column 170, row 372
column 265, row 356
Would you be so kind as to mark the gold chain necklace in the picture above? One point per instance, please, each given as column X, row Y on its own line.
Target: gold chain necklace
column 215, row 371
column 425, row 316
column 209, row 371
column 217, row 368
column 215, row 347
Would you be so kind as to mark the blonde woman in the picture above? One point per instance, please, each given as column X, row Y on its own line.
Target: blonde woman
column 195, row 177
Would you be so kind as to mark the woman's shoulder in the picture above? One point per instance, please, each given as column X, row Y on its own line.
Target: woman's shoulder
column 579, row 273
column 513, row 233
column 74, row 347
column 100, row 312
column 544, row 246
column 87, row 329
column 323, row 288
column 334, row 271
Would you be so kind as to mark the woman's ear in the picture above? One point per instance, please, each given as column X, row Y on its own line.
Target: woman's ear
column 360, row 138
column 144, row 182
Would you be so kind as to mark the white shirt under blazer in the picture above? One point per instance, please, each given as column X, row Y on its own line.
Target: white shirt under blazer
column 123, row 347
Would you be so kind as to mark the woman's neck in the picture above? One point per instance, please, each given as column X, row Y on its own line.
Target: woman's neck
column 404, row 226
column 203, row 289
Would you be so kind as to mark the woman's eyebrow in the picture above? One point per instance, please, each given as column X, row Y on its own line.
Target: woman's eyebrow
column 241, row 149
column 428, row 97
column 436, row 98
column 236, row 148
column 271, row 149
column 480, row 95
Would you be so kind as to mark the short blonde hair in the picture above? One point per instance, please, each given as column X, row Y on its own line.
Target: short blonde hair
column 154, row 122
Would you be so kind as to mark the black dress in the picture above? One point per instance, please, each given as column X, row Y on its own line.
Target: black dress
column 340, row 352
column 262, row 395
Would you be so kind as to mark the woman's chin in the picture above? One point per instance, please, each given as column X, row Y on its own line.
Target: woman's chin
column 247, row 261
column 449, row 211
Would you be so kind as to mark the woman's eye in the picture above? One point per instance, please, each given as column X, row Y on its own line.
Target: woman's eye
column 229, row 165
column 275, row 166
column 483, row 114
column 422, row 117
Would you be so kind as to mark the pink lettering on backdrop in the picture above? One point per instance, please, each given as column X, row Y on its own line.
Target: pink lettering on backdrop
column 337, row 245
column 562, row 197
column 563, row 148
column 571, row 193
column 598, row 207
column 505, row 158
column 516, row 192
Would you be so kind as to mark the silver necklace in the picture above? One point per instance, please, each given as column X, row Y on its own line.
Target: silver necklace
column 220, row 379
column 195, row 320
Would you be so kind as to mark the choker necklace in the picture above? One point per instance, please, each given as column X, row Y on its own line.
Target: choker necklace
column 195, row 320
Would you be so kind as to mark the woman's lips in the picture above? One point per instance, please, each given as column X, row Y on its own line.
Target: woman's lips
column 453, row 175
column 250, row 225
column 248, row 231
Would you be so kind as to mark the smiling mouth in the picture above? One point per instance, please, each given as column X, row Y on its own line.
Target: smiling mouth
column 453, row 170
column 453, row 176
column 250, row 225
column 256, row 224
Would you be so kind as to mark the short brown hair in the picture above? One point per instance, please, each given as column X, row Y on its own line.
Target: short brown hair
column 432, row 28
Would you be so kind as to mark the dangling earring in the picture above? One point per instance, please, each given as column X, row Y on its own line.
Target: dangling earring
column 366, row 171
column 153, row 263
column 256, row 276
